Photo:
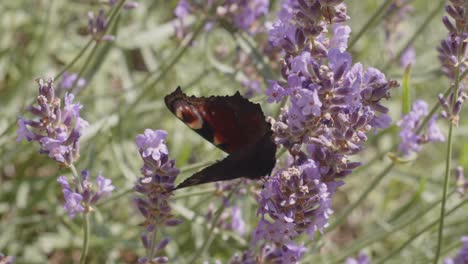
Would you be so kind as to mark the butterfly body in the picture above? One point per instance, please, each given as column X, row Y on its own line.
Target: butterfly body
column 234, row 125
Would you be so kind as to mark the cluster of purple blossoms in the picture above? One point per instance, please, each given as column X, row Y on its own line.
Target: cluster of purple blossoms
column 230, row 220
column 411, row 140
column 242, row 14
column 155, row 186
column 333, row 105
column 97, row 24
column 6, row 259
column 69, row 80
column 362, row 259
column 462, row 256
column 453, row 55
column 57, row 129
column 80, row 196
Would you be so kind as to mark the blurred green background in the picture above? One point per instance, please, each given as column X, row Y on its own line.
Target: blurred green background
column 38, row 38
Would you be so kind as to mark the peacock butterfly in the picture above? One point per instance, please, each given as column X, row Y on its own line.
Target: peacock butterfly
column 234, row 125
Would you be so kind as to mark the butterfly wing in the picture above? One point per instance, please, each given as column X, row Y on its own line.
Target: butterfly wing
column 233, row 124
column 252, row 161
column 229, row 122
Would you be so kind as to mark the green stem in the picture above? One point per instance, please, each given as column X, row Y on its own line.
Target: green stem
column 214, row 223
column 112, row 19
column 361, row 198
column 77, row 57
column 422, row 231
column 448, row 161
column 115, row 197
column 373, row 237
column 369, row 23
column 143, row 93
column 86, row 232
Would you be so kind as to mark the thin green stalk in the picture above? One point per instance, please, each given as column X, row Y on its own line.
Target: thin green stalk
column 193, row 194
column 77, row 57
column 448, row 161
column 422, row 231
column 74, row 171
column 214, row 223
column 115, row 197
column 86, row 225
column 86, row 233
column 369, row 23
column 166, row 69
column 81, row 53
column 373, row 237
column 361, row 198
column 111, row 24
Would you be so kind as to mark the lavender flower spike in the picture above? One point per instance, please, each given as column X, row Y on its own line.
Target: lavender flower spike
column 6, row 259
column 158, row 176
column 244, row 15
column 57, row 129
column 97, row 26
column 362, row 259
column 332, row 105
column 69, row 79
column 81, row 194
column 410, row 141
column 462, row 256
column 453, row 55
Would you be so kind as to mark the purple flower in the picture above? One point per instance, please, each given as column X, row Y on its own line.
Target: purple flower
column 275, row 92
column 73, row 203
column 408, row 57
column 242, row 14
column 340, row 37
column 97, row 26
column 81, row 194
column 362, row 259
column 410, row 141
column 462, row 256
column 453, row 56
column 153, row 144
column 182, row 9
column 332, row 105
column 238, row 223
column 297, row 201
column 69, row 79
column 154, row 187
column 57, row 129
column 6, row 259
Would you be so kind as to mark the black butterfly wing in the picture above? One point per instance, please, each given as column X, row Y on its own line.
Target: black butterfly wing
column 233, row 124
column 253, row 162
column 229, row 122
